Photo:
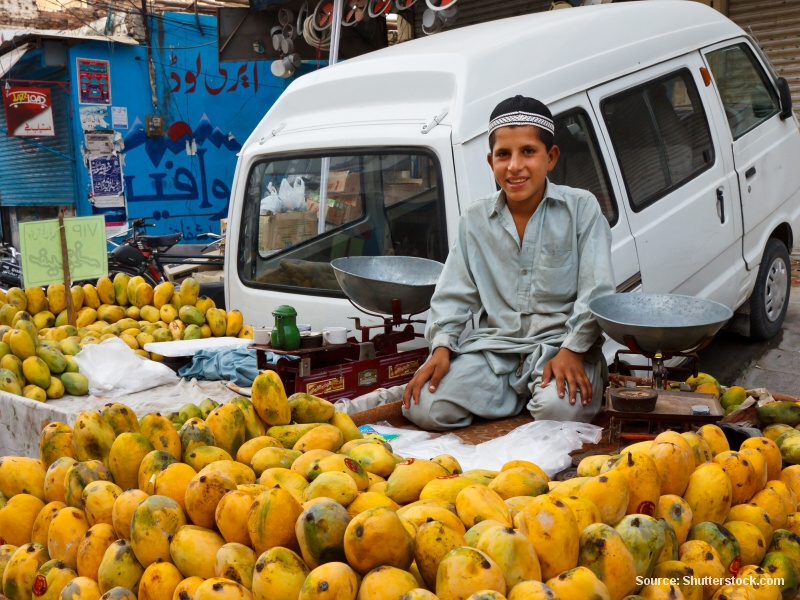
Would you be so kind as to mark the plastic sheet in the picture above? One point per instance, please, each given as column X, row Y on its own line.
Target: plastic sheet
column 544, row 443
column 114, row 370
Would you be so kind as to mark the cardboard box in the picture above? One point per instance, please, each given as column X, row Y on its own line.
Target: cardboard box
column 209, row 276
column 284, row 230
column 344, row 182
column 400, row 190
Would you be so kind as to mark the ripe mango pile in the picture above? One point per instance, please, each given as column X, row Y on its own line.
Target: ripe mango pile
column 34, row 329
column 278, row 498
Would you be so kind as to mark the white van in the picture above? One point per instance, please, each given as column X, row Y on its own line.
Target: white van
column 667, row 111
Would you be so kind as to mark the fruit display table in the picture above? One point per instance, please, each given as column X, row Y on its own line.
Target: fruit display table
column 21, row 419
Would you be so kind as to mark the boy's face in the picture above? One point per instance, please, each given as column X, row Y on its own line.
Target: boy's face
column 520, row 162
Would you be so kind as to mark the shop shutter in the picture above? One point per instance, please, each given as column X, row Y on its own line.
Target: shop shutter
column 30, row 175
column 776, row 26
column 471, row 12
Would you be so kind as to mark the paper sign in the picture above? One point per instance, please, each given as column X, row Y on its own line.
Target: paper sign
column 119, row 117
column 94, row 117
column 105, row 173
column 40, row 250
column 94, row 81
column 99, row 142
column 29, row 112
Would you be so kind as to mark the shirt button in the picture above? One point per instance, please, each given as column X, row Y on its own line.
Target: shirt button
column 524, row 271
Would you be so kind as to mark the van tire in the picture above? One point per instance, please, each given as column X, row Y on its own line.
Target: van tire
column 774, row 272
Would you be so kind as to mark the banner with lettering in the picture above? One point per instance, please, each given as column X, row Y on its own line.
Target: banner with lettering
column 29, row 112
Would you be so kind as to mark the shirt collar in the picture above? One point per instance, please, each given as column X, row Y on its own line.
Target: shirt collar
column 551, row 192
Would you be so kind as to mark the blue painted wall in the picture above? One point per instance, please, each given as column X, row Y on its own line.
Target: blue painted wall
column 208, row 107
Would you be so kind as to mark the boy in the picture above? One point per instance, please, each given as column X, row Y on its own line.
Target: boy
column 526, row 262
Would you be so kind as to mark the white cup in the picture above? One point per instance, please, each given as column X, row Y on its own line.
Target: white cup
column 261, row 335
column 334, row 335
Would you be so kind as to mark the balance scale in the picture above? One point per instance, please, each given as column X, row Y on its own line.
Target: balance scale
column 386, row 287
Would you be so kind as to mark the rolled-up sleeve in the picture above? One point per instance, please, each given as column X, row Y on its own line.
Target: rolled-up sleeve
column 595, row 275
column 456, row 297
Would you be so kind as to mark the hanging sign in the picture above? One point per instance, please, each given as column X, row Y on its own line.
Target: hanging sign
column 94, row 81
column 105, row 172
column 29, row 112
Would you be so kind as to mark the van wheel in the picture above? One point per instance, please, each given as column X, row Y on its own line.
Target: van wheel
column 770, row 297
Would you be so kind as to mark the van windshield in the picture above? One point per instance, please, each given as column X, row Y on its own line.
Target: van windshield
column 376, row 203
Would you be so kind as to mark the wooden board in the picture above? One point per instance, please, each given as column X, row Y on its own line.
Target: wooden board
column 674, row 406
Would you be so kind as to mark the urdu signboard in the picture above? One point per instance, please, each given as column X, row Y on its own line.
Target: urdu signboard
column 29, row 112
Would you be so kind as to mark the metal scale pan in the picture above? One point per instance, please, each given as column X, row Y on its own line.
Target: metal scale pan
column 373, row 282
column 663, row 324
column 660, row 326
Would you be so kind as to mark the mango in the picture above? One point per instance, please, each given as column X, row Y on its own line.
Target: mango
column 21, row 475
column 92, row 548
column 17, row 518
column 708, row 493
column 706, row 564
column 194, row 551
column 433, row 541
column 92, row 436
column 98, row 501
column 203, row 456
column 310, row 409
column 252, row 423
column 67, row 529
column 279, row 575
column 21, row 571
column 271, row 520
column 751, row 542
column 778, row 566
column 54, row 359
column 787, row 413
column 41, row 524
column 162, row 294
column 187, row 587
column 119, row 568
column 331, row 581
column 603, row 551
column 168, row 314
column 126, row 455
column 513, row 553
column 269, row 400
column 553, row 531
column 342, row 464
column 644, row 537
column 56, row 297
column 234, row 322
column 122, row 513
column 465, row 571
column 518, row 481
column 55, row 479
column 229, row 516
column 142, row 294
column 110, row 313
column 213, row 317
column 742, row 475
column 158, row 581
column 44, row 320
column 227, row 425
column 409, row 478
column 52, row 577
column 152, row 464
column 75, row 384
column 325, row 437
column 287, row 435
column 610, row 493
column 22, row 344
column 161, row 434
column 477, row 503
column 204, row 492
column 189, row 291
column 377, row 537
column 81, row 588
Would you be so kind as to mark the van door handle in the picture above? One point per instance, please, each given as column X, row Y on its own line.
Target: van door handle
column 721, row 204
column 750, row 172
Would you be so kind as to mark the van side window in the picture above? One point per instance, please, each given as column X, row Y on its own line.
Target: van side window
column 378, row 203
column 660, row 135
column 747, row 95
column 580, row 164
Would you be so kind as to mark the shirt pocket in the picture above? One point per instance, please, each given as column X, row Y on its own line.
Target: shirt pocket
column 555, row 278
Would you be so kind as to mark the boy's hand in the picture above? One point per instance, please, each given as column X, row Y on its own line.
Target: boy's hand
column 433, row 370
column 567, row 366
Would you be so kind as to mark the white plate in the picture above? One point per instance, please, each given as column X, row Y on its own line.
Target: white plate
column 191, row 347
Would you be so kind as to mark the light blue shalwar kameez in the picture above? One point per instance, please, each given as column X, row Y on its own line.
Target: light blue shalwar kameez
column 530, row 300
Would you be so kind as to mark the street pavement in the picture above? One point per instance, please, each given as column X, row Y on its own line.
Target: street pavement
column 774, row 364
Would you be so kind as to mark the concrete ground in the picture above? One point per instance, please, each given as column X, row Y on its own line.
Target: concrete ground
column 774, row 364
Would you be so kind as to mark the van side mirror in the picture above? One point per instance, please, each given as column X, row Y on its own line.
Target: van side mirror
column 785, row 95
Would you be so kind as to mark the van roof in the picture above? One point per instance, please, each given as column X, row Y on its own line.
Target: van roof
column 469, row 70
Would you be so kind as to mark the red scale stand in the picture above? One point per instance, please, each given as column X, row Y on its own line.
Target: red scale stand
column 352, row 369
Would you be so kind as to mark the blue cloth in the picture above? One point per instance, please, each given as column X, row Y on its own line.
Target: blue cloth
column 231, row 364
